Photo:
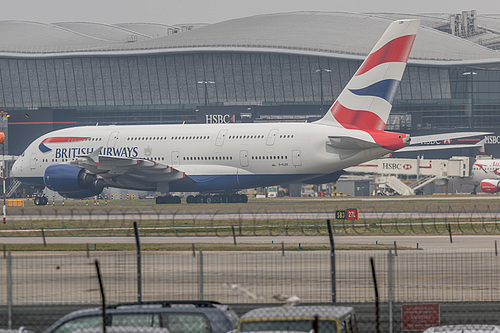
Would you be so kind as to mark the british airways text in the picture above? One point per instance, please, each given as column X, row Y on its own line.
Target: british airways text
column 108, row 151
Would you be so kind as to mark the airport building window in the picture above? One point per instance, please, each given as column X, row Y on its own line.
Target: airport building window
column 121, row 89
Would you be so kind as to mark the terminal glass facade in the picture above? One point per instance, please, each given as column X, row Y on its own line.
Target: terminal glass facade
column 169, row 88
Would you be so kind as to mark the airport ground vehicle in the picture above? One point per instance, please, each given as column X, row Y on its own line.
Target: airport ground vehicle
column 472, row 328
column 176, row 316
column 340, row 319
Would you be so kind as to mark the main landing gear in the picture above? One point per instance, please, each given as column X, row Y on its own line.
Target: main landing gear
column 168, row 199
column 41, row 200
column 217, row 198
column 203, row 198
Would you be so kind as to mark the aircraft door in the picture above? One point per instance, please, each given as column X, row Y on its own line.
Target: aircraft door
column 271, row 137
column 296, row 158
column 175, row 158
column 220, row 137
column 33, row 161
column 113, row 137
column 244, row 158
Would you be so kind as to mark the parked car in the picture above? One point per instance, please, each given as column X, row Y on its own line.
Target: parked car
column 472, row 328
column 176, row 316
column 299, row 318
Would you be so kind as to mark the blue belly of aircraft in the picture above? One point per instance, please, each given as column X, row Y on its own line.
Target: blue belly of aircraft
column 203, row 183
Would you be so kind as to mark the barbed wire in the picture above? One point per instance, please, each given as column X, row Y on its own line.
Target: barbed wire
column 107, row 221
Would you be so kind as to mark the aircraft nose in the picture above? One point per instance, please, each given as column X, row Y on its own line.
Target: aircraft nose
column 14, row 172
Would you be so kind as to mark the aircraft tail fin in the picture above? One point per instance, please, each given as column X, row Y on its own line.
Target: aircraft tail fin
column 366, row 101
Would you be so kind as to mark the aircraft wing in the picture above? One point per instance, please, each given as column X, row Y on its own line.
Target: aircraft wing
column 417, row 143
column 479, row 145
column 120, row 169
column 444, row 136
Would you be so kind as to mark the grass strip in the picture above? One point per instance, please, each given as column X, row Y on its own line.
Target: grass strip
column 189, row 247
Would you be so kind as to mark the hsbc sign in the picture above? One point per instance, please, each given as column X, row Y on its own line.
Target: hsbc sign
column 219, row 118
column 396, row 166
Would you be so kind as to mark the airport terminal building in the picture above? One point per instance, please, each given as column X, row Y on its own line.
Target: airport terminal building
column 276, row 67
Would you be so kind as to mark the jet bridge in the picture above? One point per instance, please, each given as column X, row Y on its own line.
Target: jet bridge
column 418, row 172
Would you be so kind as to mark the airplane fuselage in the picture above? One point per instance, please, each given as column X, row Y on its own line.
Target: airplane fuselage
column 217, row 157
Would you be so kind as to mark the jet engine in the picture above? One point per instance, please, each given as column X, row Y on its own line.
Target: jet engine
column 490, row 185
column 72, row 181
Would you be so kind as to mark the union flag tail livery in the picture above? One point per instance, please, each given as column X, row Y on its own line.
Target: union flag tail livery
column 217, row 160
column 366, row 101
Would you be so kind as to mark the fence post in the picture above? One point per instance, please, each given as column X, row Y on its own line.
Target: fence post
column 139, row 265
column 377, row 307
column 103, row 295
column 390, row 286
column 234, row 235
column 9, row 289
column 201, row 275
column 332, row 262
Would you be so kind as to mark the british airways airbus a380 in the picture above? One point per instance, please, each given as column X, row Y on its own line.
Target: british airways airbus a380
column 81, row 161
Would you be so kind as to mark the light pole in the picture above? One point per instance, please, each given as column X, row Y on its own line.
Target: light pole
column 2, row 141
column 206, row 83
column 320, row 71
column 470, row 92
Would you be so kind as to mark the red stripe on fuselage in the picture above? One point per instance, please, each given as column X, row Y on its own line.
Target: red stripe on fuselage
column 357, row 119
column 397, row 50
column 65, row 139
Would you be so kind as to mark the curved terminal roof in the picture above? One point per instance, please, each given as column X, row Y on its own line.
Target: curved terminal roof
column 318, row 33
column 111, row 33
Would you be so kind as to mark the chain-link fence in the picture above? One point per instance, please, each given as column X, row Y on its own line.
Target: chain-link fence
column 458, row 282
column 288, row 220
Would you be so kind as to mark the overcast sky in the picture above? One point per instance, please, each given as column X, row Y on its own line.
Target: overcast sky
column 213, row 11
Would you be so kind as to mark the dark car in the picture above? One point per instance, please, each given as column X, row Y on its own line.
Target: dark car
column 176, row 316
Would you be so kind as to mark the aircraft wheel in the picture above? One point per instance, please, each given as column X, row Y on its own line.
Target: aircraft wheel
column 176, row 200
column 190, row 199
column 208, row 199
column 159, row 200
column 198, row 199
column 243, row 198
column 41, row 201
